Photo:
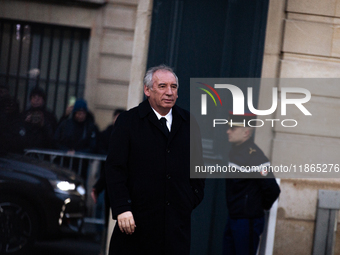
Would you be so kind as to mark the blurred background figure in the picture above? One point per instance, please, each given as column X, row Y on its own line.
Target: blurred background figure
column 104, row 136
column 103, row 148
column 10, row 125
column 102, row 200
column 78, row 133
column 23, row 131
column 37, row 112
column 39, row 123
column 4, row 91
column 69, row 109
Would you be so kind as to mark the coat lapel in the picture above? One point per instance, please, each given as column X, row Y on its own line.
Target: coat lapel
column 178, row 117
column 145, row 110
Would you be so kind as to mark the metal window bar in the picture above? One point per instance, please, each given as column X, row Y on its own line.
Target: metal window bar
column 52, row 57
column 69, row 66
column 79, row 64
column 18, row 66
column 9, row 52
column 28, row 73
column 41, row 46
column 50, row 62
column 58, row 70
column 1, row 35
column 98, row 159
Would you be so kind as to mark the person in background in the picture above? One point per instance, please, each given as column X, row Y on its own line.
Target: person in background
column 104, row 136
column 4, row 91
column 19, row 133
column 37, row 113
column 103, row 141
column 40, row 123
column 100, row 185
column 78, row 133
column 68, row 110
column 12, row 134
column 32, row 128
column 248, row 194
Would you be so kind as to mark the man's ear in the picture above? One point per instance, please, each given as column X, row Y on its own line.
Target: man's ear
column 146, row 91
column 251, row 132
column 247, row 133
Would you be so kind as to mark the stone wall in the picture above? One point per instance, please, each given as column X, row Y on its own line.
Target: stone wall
column 303, row 41
column 115, row 57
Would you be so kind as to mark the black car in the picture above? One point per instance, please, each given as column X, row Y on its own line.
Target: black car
column 37, row 200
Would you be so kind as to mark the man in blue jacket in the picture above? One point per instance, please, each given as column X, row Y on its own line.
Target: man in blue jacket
column 250, row 193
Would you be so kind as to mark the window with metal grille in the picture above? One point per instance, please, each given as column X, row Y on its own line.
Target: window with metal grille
column 51, row 57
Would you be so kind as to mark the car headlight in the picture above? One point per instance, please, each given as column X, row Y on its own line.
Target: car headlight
column 67, row 187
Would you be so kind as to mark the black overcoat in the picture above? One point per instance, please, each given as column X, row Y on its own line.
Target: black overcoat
column 148, row 174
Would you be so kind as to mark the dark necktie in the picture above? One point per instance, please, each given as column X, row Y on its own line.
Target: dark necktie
column 164, row 126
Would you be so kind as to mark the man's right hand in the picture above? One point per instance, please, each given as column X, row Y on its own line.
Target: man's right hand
column 126, row 222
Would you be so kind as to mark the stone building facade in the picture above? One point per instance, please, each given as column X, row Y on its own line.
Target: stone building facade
column 112, row 28
column 302, row 41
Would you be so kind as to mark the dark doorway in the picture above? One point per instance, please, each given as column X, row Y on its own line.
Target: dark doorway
column 202, row 38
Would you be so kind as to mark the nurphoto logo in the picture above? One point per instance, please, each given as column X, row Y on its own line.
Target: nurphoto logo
column 239, row 103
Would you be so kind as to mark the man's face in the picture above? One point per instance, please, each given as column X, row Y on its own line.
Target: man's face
column 237, row 135
column 37, row 101
column 163, row 95
column 80, row 116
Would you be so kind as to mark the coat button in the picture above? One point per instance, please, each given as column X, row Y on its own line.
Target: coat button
column 168, row 150
column 167, row 203
column 196, row 191
column 168, row 176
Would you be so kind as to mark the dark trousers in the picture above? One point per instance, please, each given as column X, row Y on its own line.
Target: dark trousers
column 241, row 236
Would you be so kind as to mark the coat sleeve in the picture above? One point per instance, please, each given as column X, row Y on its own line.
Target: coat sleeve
column 116, row 168
column 270, row 192
column 59, row 137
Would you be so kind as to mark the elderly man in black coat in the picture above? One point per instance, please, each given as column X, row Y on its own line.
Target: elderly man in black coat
column 148, row 172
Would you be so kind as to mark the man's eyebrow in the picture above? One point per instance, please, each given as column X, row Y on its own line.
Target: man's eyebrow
column 165, row 84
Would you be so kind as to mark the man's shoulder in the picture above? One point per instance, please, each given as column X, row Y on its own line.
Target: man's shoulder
column 125, row 118
column 66, row 123
column 253, row 148
column 143, row 109
column 181, row 112
column 256, row 154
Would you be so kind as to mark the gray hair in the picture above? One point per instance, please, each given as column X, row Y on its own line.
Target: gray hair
column 149, row 74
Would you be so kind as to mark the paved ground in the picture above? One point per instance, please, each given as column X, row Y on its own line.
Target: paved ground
column 72, row 245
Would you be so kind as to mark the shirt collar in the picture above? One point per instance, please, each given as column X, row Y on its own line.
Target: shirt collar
column 168, row 117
